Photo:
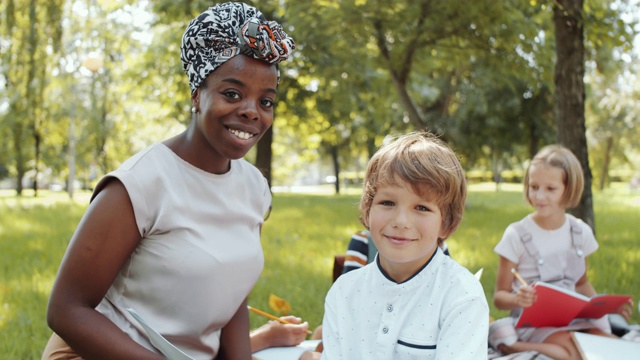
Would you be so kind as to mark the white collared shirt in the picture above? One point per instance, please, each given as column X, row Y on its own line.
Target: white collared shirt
column 439, row 313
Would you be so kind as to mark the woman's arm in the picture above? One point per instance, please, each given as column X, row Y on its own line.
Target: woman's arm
column 234, row 338
column 102, row 242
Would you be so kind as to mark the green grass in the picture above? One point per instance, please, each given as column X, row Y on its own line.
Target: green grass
column 300, row 239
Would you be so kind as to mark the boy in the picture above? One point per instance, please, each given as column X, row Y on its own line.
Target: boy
column 412, row 302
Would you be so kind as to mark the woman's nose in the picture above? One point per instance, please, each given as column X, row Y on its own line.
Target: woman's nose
column 249, row 110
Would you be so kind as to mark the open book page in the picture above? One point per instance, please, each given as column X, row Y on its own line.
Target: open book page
column 594, row 347
column 557, row 307
column 287, row 353
column 163, row 345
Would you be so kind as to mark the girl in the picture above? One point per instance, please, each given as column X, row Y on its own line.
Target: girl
column 547, row 245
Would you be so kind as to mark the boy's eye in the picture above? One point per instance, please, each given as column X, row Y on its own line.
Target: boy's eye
column 386, row 203
column 422, row 208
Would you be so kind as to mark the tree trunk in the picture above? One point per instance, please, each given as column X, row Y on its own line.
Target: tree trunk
column 607, row 162
column 568, row 22
column 264, row 155
column 405, row 99
column 336, row 167
column 19, row 153
column 37, row 138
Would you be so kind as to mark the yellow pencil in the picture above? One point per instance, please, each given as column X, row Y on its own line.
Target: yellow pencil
column 518, row 277
column 269, row 316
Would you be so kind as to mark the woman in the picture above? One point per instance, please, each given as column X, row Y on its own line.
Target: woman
column 174, row 233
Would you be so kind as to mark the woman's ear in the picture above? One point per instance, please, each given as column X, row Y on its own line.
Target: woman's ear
column 195, row 100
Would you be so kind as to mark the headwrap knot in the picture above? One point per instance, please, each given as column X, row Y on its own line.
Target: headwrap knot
column 226, row 30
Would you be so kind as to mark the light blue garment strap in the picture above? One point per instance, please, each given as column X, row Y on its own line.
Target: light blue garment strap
column 525, row 237
column 373, row 250
column 576, row 235
column 577, row 239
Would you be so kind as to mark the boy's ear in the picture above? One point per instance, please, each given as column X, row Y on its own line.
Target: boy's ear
column 365, row 220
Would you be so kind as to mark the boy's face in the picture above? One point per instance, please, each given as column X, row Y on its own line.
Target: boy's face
column 405, row 229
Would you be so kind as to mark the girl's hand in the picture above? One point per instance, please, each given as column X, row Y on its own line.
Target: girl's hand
column 310, row 355
column 526, row 296
column 626, row 310
column 287, row 334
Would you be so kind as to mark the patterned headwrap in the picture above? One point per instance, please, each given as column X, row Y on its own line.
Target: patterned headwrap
column 226, row 30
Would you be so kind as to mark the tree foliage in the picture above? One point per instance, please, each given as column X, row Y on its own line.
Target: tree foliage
column 481, row 74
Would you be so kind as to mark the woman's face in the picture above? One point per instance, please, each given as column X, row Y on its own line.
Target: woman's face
column 235, row 109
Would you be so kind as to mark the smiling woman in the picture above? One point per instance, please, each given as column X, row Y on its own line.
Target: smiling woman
column 174, row 233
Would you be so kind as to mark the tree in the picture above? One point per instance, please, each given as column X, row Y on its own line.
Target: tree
column 27, row 60
column 569, row 25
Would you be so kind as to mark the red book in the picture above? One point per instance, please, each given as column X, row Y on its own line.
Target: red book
column 557, row 307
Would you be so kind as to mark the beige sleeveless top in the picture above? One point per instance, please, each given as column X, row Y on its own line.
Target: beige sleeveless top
column 200, row 253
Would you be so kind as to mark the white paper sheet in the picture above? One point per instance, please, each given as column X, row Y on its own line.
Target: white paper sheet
column 166, row 348
column 287, row 353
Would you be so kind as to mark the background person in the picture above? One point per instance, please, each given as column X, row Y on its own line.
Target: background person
column 554, row 254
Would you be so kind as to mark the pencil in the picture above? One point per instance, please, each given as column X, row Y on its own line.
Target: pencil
column 269, row 316
column 518, row 277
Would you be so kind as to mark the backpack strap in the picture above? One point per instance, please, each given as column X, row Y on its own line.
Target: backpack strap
column 373, row 250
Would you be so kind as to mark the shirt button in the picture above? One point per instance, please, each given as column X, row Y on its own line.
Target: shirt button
column 385, row 330
column 389, row 308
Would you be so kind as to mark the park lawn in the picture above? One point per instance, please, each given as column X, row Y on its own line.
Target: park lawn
column 300, row 239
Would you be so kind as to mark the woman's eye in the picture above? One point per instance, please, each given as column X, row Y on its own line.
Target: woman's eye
column 267, row 103
column 232, row 95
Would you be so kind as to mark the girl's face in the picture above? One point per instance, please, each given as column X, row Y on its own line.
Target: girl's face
column 546, row 189
column 405, row 228
column 236, row 109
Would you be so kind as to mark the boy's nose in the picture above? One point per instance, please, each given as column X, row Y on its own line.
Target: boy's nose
column 400, row 220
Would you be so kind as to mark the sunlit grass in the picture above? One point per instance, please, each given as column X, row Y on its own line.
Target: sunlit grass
column 300, row 239
column 33, row 236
